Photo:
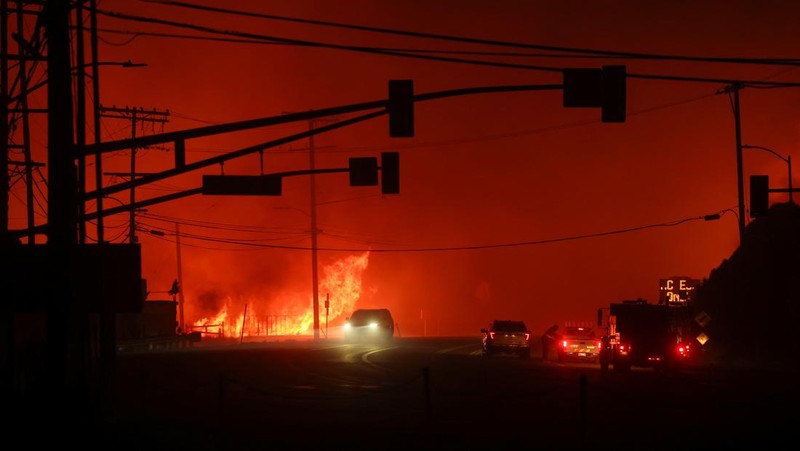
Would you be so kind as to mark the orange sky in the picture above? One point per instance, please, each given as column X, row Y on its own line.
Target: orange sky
column 483, row 170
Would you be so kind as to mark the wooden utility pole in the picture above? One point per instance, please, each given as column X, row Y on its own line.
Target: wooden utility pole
column 136, row 116
column 181, row 323
column 98, row 158
column 4, row 180
column 314, row 232
column 739, row 165
column 65, row 343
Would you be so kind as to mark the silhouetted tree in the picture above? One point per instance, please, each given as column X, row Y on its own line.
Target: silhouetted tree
column 753, row 297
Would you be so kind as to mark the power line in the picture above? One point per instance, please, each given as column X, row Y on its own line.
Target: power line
column 163, row 231
column 462, row 39
column 429, row 57
column 261, row 246
column 136, row 34
column 217, row 225
column 299, row 42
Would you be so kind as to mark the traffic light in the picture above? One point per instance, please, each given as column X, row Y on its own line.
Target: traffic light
column 582, row 87
column 604, row 88
column 390, row 172
column 363, row 171
column 401, row 108
column 759, row 195
column 614, row 94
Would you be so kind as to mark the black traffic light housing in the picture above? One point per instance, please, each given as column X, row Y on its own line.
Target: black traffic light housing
column 759, row 195
column 401, row 108
column 390, row 172
column 604, row 88
column 614, row 102
column 363, row 171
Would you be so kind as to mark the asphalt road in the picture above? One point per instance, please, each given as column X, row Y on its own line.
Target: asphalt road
column 424, row 393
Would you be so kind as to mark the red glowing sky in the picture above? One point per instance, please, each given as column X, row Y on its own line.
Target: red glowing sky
column 516, row 170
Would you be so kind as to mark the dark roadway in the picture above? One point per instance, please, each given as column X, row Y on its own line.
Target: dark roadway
column 420, row 393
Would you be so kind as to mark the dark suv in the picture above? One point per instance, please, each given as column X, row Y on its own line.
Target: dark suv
column 369, row 325
column 507, row 336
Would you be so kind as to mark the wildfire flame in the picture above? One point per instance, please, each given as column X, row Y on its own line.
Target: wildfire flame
column 340, row 286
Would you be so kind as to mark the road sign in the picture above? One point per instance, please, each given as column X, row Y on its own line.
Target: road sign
column 242, row 185
column 677, row 291
column 702, row 319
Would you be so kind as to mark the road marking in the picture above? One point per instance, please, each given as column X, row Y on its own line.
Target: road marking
column 455, row 348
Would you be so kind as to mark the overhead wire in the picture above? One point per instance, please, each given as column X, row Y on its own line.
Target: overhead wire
column 261, row 246
column 462, row 39
column 138, row 33
column 217, row 225
column 192, row 235
column 138, row 18
column 617, row 54
column 600, row 52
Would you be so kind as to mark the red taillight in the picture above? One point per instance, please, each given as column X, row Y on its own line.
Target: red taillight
column 599, row 345
column 564, row 343
column 527, row 337
column 491, row 335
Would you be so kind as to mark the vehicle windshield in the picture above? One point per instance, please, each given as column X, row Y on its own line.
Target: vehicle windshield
column 509, row 326
column 363, row 317
column 579, row 332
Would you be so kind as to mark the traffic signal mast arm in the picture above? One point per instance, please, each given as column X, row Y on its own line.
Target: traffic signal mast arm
column 231, row 155
column 181, row 136
column 611, row 99
column 221, row 184
column 200, row 132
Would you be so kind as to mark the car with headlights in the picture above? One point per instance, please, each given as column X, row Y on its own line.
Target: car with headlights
column 369, row 325
column 508, row 337
column 579, row 343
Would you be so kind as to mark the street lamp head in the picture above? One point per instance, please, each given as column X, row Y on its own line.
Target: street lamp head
column 718, row 215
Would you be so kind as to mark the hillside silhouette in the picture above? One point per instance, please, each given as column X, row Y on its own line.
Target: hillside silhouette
column 753, row 297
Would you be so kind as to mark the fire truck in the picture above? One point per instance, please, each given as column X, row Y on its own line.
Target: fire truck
column 639, row 334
